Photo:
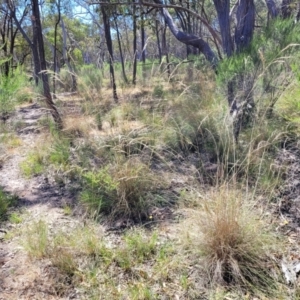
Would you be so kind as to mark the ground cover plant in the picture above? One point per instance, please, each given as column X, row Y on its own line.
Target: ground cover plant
column 163, row 178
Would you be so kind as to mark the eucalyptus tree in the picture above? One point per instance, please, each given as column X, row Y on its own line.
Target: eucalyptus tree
column 9, row 33
column 36, row 44
column 105, row 12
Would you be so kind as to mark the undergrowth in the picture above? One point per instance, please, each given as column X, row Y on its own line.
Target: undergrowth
column 174, row 136
column 121, row 189
column 233, row 241
column 83, row 257
column 6, row 201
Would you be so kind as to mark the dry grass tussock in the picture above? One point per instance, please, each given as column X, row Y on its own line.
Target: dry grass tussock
column 233, row 241
column 79, row 125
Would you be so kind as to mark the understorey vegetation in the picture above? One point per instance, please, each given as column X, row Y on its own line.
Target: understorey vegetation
column 160, row 170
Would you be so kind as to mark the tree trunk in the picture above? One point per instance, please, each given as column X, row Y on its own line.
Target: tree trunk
column 55, row 61
column 223, row 11
column 272, row 9
column 286, row 10
column 243, row 36
column 298, row 12
column 143, row 50
column 35, row 53
column 134, row 46
column 120, row 50
column 143, row 35
column 189, row 39
column 245, row 24
column 41, row 51
column 33, row 47
column 4, row 32
column 66, row 58
column 107, row 31
column 165, row 49
column 157, row 29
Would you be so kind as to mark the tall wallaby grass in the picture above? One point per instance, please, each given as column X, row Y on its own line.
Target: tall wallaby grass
column 122, row 190
column 14, row 90
column 233, row 240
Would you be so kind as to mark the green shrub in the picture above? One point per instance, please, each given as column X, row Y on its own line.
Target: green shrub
column 158, row 91
column 13, row 90
column 37, row 239
column 60, row 151
column 6, row 201
column 121, row 190
column 33, row 164
column 89, row 82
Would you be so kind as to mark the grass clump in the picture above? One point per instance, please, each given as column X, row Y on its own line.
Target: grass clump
column 15, row 218
column 233, row 242
column 36, row 240
column 121, row 190
column 81, row 257
column 55, row 151
column 13, row 90
column 6, row 201
column 60, row 152
column 33, row 165
column 137, row 249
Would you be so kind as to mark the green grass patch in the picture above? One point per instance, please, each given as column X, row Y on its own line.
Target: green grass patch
column 122, row 189
column 6, row 201
column 34, row 164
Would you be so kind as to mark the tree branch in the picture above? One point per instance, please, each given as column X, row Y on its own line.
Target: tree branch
column 158, row 5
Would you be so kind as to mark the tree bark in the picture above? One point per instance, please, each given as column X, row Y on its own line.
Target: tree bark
column 243, row 35
column 41, row 51
column 120, row 50
column 4, row 30
column 107, row 31
column 286, row 10
column 157, row 29
column 189, row 39
column 66, row 58
column 33, row 47
column 165, row 49
column 55, row 60
column 134, row 46
column 245, row 24
column 272, row 9
column 298, row 12
column 223, row 12
column 35, row 51
column 143, row 35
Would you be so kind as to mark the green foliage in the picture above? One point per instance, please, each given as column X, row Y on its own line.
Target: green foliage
column 37, row 239
column 34, row 164
column 99, row 187
column 141, row 248
column 13, row 90
column 288, row 106
column 121, row 190
column 15, row 218
column 89, row 82
column 60, row 151
column 6, row 201
column 269, row 47
column 137, row 249
column 158, row 91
